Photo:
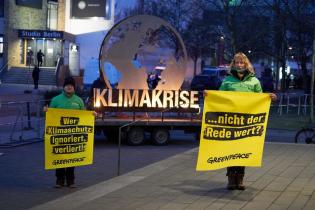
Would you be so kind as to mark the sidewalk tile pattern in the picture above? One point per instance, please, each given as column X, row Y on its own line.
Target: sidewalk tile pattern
column 285, row 181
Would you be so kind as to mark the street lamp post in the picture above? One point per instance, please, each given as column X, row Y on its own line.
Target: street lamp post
column 312, row 82
column 29, row 59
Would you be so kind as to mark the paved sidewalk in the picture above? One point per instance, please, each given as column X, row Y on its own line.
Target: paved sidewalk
column 285, row 181
column 7, row 89
column 16, row 92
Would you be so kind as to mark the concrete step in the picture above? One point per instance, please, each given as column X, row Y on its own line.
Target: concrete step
column 19, row 75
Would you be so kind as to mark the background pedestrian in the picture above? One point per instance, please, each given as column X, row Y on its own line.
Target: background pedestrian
column 35, row 75
column 40, row 58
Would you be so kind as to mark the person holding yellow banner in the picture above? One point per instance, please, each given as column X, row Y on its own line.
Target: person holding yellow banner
column 66, row 100
column 242, row 78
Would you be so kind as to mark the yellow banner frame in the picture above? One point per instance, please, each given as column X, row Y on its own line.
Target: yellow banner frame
column 233, row 129
column 69, row 138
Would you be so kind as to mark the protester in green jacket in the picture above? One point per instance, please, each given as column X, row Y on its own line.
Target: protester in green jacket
column 242, row 79
column 66, row 100
column 246, row 82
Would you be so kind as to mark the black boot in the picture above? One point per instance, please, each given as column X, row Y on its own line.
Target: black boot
column 239, row 182
column 60, row 183
column 231, row 182
column 71, row 184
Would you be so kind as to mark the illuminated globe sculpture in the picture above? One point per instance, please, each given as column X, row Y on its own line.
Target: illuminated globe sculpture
column 139, row 46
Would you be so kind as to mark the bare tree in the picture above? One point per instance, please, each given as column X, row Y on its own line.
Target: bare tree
column 243, row 24
column 197, row 38
column 301, row 17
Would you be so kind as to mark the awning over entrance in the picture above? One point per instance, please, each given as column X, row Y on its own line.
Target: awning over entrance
column 50, row 44
column 41, row 34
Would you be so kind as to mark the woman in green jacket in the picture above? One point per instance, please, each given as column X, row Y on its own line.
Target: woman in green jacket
column 242, row 79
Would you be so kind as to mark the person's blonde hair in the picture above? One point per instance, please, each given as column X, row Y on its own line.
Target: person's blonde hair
column 244, row 58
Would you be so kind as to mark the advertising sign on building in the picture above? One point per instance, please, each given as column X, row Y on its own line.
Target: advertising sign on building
column 40, row 34
column 87, row 8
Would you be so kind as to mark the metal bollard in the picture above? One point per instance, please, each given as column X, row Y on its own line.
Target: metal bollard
column 38, row 118
column 29, row 127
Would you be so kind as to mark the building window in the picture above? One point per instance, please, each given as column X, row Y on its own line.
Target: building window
column 52, row 15
column 1, row 8
column 1, row 45
column 22, row 51
column 108, row 9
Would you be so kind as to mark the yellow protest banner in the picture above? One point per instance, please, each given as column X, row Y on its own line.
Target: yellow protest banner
column 233, row 129
column 69, row 138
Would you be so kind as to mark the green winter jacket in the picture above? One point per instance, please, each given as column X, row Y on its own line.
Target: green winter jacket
column 61, row 101
column 249, row 84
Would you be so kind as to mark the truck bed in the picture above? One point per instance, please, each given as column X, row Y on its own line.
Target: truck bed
column 133, row 126
column 176, row 121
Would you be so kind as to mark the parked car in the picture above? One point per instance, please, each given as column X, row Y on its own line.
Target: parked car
column 210, row 79
column 219, row 72
column 205, row 82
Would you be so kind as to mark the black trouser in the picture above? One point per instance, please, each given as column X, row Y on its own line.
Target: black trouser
column 235, row 170
column 35, row 84
column 63, row 174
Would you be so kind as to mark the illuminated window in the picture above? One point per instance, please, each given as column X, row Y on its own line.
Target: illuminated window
column 22, row 51
column 52, row 15
column 1, row 45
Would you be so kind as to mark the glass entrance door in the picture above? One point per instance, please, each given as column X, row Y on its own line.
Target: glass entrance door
column 50, row 48
column 40, row 46
column 49, row 53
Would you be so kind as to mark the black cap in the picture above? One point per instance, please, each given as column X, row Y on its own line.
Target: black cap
column 69, row 81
